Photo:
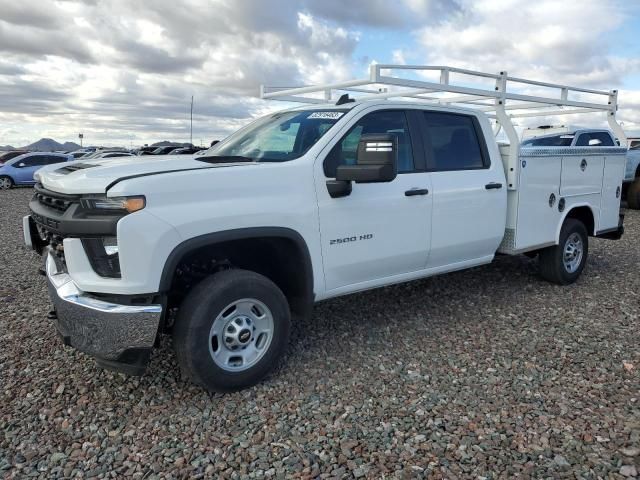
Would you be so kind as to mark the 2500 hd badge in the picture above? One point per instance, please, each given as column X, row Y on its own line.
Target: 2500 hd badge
column 355, row 238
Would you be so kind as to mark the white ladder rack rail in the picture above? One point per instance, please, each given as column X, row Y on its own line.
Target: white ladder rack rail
column 500, row 103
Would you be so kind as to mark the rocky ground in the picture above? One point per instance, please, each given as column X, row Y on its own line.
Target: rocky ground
column 487, row 373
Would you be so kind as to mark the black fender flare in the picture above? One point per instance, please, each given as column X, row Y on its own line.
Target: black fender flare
column 210, row 239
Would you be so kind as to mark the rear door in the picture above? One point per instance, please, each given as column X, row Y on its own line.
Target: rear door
column 469, row 194
column 380, row 230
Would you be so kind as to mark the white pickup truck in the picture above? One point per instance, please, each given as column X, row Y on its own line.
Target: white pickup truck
column 223, row 250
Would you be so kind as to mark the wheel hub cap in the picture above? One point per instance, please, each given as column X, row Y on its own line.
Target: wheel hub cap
column 573, row 251
column 241, row 334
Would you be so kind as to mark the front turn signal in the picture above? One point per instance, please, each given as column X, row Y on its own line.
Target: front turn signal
column 133, row 204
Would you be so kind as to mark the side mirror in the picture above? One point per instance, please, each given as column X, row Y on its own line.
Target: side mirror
column 594, row 142
column 376, row 160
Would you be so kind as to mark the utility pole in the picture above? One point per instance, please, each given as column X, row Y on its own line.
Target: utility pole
column 81, row 136
column 191, row 129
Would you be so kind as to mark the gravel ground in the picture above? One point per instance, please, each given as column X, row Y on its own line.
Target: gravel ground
column 488, row 373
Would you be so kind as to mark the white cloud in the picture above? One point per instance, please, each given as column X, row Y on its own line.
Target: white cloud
column 118, row 69
column 561, row 42
column 131, row 67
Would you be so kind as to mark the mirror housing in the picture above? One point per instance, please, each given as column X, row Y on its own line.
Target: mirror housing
column 594, row 142
column 376, row 160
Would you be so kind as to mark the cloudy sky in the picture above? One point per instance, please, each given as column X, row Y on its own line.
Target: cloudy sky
column 123, row 71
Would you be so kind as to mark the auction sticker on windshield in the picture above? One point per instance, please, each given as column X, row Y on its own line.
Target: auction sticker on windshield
column 326, row 115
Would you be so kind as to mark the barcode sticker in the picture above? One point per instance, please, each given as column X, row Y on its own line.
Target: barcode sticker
column 326, row 115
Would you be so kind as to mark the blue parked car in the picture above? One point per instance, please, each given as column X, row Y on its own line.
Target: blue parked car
column 20, row 170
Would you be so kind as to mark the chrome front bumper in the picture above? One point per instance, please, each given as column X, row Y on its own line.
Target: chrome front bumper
column 119, row 336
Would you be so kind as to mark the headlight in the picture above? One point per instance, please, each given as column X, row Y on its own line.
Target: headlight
column 128, row 204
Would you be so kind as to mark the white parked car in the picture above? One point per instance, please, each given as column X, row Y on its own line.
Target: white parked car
column 304, row 205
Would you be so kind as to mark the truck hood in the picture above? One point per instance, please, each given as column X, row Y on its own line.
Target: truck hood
column 95, row 176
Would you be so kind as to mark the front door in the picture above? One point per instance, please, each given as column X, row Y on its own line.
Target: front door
column 381, row 229
column 27, row 167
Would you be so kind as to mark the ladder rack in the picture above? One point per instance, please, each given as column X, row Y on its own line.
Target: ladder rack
column 501, row 97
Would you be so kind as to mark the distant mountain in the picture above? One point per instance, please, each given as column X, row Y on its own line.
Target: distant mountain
column 70, row 146
column 6, row 148
column 50, row 145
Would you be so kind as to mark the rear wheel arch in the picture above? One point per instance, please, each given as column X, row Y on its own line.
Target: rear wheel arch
column 584, row 214
column 280, row 254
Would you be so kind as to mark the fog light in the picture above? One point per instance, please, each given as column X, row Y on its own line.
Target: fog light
column 110, row 245
column 103, row 256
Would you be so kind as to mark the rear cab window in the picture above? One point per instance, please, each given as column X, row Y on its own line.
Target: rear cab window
column 453, row 142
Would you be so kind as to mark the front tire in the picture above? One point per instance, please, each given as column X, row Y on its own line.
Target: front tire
column 6, row 183
column 231, row 330
column 563, row 263
column 633, row 195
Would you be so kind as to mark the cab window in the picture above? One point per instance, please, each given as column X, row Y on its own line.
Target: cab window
column 453, row 142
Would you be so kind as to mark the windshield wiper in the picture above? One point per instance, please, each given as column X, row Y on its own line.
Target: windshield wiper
column 224, row 159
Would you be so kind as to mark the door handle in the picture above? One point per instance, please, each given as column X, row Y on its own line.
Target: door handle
column 416, row 191
column 493, row 185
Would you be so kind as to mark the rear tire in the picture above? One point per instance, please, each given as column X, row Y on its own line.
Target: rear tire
column 563, row 263
column 633, row 195
column 6, row 182
column 231, row 330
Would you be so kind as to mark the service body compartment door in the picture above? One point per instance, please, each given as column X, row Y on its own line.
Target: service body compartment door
column 581, row 175
column 537, row 201
column 614, row 167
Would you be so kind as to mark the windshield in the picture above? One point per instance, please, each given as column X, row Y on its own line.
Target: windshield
column 279, row 137
column 550, row 141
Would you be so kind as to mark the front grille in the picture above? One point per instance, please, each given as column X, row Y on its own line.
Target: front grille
column 52, row 202
column 56, row 201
